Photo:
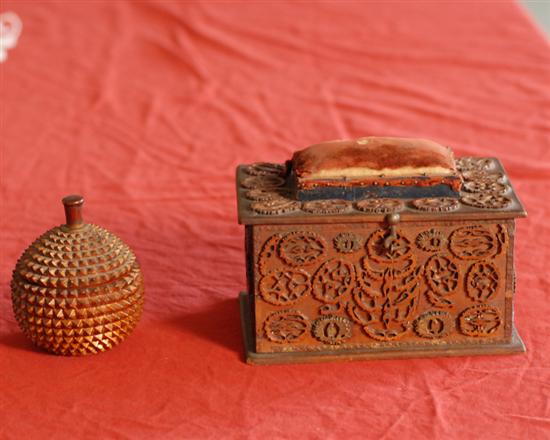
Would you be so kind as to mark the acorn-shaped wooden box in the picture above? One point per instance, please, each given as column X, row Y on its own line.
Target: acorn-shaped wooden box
column 78, row 289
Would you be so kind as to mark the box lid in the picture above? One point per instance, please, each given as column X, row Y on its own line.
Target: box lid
column 265, row 195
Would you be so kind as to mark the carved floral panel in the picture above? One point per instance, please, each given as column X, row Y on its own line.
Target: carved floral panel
column 344, row 286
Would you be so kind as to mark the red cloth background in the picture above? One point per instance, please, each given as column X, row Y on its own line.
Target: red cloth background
column 146, row 108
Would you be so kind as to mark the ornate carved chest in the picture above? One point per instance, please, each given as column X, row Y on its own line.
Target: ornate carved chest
column 375, row 277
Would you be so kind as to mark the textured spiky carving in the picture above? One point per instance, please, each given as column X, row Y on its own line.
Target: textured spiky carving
column 77, row 290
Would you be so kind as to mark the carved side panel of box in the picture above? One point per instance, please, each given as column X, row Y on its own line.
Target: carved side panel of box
column 331, row 287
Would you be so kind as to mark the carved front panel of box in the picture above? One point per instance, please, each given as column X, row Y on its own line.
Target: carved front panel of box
column 327, row 287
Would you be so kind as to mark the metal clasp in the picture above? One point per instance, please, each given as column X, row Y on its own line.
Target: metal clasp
column 390, row 242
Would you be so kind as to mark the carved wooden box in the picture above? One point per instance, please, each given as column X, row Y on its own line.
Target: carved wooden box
column 378, row 278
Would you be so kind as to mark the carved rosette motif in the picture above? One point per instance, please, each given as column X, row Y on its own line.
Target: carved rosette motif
column 442, row 277
column 333, row 206
column 265, row 169
column 286, row 326
column 275, row 206
column 465, row 164
column 479, row 321
column 333, row 280
column 284, row 287
column 380, row 205
column 482, row 176
column 263, row 182
column 486, row 200
column 332, row 329
column 483, row 186
column 473, row 243
column 434, row 324
column 347, row 242
column 431, row 241
column 302, row 248
column 436, row 204
column 482, row 281
column 267, row 195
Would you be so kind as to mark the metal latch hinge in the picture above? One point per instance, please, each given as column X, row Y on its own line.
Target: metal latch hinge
column 390, row 242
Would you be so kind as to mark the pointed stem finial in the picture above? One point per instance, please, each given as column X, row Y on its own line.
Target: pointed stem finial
column 73, row 210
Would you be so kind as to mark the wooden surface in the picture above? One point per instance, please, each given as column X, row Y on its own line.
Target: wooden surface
column 514, row 346
column 351, row 286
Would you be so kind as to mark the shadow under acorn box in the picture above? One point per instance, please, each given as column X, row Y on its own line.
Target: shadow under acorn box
column 323, row 283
